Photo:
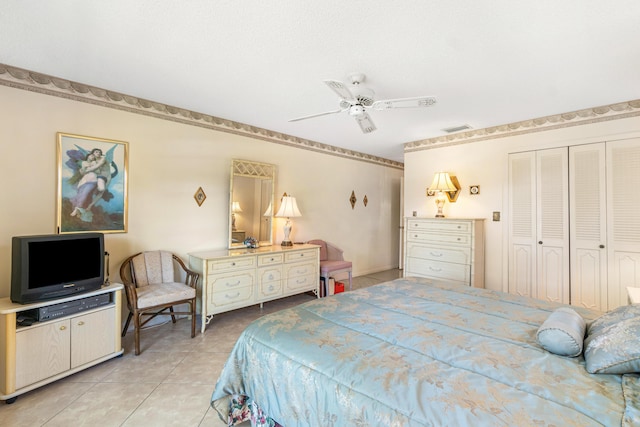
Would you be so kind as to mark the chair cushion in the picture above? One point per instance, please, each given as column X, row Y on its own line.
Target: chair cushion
column 329, row 266
column 153, row 267
column 164, row 293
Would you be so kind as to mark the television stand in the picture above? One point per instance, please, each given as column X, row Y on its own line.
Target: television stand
column 46, row 351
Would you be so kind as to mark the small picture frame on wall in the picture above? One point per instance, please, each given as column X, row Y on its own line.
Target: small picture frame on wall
column 91, row 184
column 200, row 196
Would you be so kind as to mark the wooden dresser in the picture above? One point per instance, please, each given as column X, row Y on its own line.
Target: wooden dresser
column 236, row 278
column 445, row 248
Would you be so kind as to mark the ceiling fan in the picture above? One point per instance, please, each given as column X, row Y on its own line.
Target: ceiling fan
column 356, row 99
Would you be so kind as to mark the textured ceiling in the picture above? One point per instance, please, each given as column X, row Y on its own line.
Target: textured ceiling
column 263, row 62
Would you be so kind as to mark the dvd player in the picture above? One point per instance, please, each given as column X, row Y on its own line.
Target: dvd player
column 55, row 311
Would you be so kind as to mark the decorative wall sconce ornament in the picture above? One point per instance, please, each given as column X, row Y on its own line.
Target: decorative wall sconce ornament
column 353, row 199
column 474, row 189
column 200, row 196
column 453, row 195
column 365, row 200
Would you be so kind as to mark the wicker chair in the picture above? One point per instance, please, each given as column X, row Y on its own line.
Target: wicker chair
column 151, row 289
column 331, row 262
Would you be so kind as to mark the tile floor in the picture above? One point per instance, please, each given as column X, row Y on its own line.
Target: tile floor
column 169, row 384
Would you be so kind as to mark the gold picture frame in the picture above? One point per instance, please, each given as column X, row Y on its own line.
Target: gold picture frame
column 91, row 184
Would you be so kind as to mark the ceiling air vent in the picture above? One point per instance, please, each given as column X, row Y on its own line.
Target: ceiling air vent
column 457, row 128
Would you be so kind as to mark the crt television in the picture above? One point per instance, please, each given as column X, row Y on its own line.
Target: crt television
column 54, row 266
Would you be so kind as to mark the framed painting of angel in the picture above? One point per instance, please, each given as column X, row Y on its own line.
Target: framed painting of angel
column 91, row 184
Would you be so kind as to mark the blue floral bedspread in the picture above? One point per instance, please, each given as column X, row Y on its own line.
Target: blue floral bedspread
column 412, row 352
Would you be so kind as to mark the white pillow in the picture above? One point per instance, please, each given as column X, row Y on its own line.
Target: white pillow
column 562, row 333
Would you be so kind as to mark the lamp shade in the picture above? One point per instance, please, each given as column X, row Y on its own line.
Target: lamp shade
column 288, row 208
column 442, row 182
column 235, row 207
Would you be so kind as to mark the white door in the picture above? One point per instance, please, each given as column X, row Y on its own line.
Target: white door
column 522, row 224
column 553, row 225
column 588, row 226
column 401, row 226
column 623, row 213
column 538, row 228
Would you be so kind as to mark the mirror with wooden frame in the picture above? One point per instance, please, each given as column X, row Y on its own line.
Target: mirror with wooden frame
column 251, row 202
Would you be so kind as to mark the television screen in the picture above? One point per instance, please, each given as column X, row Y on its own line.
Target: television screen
column 71, row 260
column 53, row 266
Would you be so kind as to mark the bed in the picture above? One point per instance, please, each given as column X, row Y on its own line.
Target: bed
column 412, row 352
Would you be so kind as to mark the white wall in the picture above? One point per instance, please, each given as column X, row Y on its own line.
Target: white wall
column 168, row 161
column 484, row 163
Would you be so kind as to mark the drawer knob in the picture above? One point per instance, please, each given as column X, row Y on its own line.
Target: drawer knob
column 435, row 269
column 233, row 284
column 62, row 328
column 233, row 264
column 80, row 323
column 236, row 295
column 438, row 254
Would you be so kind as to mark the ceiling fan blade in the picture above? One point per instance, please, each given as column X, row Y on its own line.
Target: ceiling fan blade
column 340, row 89
column 317, row 115
column 365, row 123
column 419, row 101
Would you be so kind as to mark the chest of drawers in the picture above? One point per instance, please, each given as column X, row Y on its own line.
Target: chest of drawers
column 236, row 278
column 445, row 249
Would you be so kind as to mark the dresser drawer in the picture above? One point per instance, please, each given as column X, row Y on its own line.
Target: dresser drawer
column 226, row 264
column 231, row 280
column 297, row 283
column 439, row 226
column 220, row 301
column 269, row 290
column 433, row 237
column 270, row 274
column 300, row 255
column 438, row 269
column 270, row 259
column 301, row 269
column 460, row 255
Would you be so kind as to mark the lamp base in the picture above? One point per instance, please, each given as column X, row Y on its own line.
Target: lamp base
column 286, row 243
column 440, row 216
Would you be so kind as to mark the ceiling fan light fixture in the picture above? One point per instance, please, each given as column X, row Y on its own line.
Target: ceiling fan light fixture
column 356, row 110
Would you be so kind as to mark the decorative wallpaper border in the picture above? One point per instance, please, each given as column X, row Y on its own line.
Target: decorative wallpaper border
column 617, row 111
column 41, row 83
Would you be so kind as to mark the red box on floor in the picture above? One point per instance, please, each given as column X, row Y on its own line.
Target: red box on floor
column 339, row 287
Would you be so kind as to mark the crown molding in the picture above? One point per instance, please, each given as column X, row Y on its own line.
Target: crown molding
column 604, row 113
column 41, row 83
